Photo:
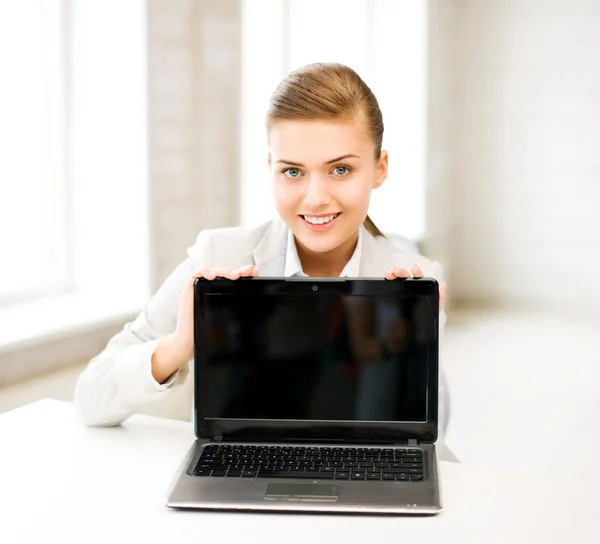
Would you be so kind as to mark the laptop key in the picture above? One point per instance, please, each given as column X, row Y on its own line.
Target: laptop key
column 373, row 476
column 357, row 476
column 249, row 473
column 303, row 475
column 218, row 473
column 416, row 477
column 202, row 472
column 389, row 476
column 342, row 475
column 405, row 470
column 402, row 477
column 231, row 473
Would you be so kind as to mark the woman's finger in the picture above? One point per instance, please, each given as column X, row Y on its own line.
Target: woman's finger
column 416, row 271
column 401, row 272
column 228, row 274
column 246, row 271
column 202, row 273
column 442, row 295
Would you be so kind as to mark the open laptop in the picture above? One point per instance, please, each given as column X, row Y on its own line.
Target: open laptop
column 314, row 395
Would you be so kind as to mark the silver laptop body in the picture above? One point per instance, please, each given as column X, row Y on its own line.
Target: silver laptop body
column 317, row 417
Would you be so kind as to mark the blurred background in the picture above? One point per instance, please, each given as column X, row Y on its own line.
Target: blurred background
column 128, row 127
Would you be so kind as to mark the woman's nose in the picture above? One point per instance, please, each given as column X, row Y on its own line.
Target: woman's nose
column 317, row 195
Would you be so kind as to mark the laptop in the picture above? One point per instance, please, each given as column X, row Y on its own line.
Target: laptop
column 313, row 395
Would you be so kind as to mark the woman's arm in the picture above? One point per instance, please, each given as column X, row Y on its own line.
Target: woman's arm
column 119, row 381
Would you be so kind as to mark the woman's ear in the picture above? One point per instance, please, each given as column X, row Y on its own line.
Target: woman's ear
column 382, row 169
column 269, row 159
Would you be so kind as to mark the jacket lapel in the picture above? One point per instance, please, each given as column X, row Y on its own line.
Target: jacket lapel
column 382, row 254
column 269, row 254
column 378, row 254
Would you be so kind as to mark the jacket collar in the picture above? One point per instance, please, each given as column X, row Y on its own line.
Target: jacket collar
column 378, row 254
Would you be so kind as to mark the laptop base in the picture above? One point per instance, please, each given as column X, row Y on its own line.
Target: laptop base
column 307, row 495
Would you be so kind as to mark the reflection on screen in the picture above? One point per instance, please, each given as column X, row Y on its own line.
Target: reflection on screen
column 326, row 357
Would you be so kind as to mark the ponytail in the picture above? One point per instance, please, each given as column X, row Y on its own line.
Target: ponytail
column 372, row 228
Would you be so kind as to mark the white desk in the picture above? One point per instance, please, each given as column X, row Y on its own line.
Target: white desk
column 62, row 482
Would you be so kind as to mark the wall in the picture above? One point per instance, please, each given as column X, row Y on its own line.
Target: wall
column 514, row 150
column 194, row 78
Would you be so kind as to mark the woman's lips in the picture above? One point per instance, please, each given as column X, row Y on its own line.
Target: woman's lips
column 320, row 227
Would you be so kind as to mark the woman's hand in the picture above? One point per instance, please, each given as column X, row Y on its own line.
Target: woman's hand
column 416, row 273
column 173, row 351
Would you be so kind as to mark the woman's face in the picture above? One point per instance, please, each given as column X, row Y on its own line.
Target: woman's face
column 323, row 173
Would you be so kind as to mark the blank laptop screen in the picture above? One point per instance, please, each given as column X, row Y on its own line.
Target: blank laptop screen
column 325, row 357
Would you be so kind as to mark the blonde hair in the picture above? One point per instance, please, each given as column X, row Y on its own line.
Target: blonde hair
column 328, row 91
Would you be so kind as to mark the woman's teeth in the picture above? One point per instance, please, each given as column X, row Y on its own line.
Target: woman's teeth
column 319, row 220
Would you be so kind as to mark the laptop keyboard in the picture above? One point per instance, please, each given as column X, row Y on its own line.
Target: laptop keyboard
column 373, row 464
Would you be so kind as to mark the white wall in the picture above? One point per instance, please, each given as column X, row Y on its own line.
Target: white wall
column 515, row 150
column 194, row 79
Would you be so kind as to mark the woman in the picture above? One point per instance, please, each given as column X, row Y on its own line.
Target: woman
column 325, row 132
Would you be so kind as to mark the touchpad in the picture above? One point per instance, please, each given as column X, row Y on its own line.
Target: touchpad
column 302, row 492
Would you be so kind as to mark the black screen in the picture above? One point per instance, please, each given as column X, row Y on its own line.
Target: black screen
column 321, row 357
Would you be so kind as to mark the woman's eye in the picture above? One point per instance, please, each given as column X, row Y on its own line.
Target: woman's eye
column 341, row 170
column 291, row 172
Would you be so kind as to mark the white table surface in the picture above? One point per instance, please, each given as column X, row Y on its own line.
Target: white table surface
column 63, row 482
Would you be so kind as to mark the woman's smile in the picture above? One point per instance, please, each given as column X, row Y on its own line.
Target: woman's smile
column 319, row 223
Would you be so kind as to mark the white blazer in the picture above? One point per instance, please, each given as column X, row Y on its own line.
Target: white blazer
column 118, row 382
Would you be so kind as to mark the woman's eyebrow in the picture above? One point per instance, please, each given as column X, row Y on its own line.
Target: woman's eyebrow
column 289, row 162
column 347, row 156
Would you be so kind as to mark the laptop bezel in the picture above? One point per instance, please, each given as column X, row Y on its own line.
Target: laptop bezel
column 357, row 432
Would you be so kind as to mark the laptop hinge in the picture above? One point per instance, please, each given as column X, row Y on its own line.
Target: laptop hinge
column 413, row 442
column 218, row 438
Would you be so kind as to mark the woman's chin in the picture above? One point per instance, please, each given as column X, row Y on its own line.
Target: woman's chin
column 319, row 243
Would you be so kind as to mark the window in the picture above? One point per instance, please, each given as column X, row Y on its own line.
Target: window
column 73, row 166
column 33, row 218
column 385, row 41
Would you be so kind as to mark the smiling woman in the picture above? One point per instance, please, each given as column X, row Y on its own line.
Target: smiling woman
column 325, row 131
column 385, row 41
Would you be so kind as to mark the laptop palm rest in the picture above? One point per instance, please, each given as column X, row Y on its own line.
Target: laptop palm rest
column 302, row 492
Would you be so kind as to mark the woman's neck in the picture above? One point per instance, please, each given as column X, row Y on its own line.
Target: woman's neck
column 329, row 264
